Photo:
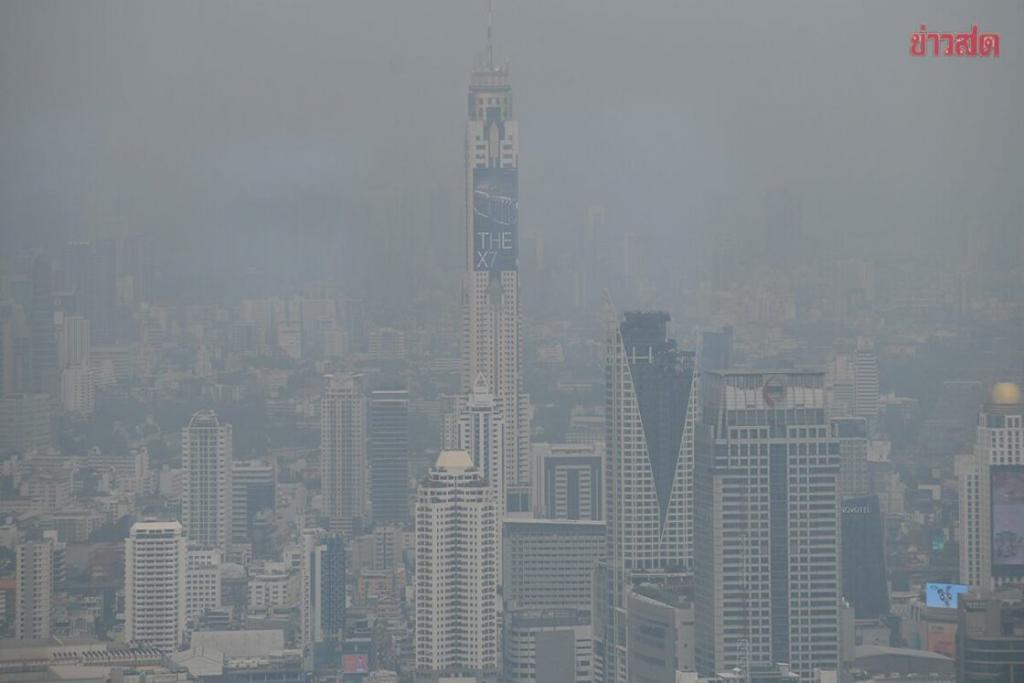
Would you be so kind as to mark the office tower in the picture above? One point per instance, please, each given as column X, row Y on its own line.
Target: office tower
column 44, row 372
column 990, row 480
column 990, row 639
column 25, row 423
column 388, row 452
column 549, row 563
column 11, row 328
column 840, row 386
column 480, row 430
column 865, row 582
column 491, row 335
column 252, row 492
column 569, row 481
column 202, row 582
column 548, row 646
column 343, row 453
column 716, row 349
column 33, row 590
column 865, row 379
column 456, row 571
column 592, row 266
column 77, row 389
column 139, row 264
column 852, row 434
column 16, row 343
column 660, row 630
column 73, row 341
column 651, row 407
column 322, row 607
column 206, row 487
column 90, row 272
column 767, row 585
column 154, row 585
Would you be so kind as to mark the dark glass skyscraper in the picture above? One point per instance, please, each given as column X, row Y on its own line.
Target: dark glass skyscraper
column 648, row 477
column 864, row 581
column 45, row 378
column 388, row 455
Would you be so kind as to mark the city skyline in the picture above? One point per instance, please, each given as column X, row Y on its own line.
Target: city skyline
column 535, row 343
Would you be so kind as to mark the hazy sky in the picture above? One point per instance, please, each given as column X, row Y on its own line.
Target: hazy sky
column 118, row 117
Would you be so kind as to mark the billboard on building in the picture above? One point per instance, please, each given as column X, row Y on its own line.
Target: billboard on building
column 495, row 219
column 1007, row 519
column 943, row 594
column 941, row 639
column 355, row 664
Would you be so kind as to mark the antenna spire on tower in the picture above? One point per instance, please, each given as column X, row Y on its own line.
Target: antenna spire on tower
column 490, row 44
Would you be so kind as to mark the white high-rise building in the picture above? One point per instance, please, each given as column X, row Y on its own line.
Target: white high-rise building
column 651, row 398
column 456, row 572
column 77, row 389
column 73, row 341
column 202, row 582
column 33, row 590
column 841, row 386
column 865, row 382
column 491, row 344
column 206, row 490
column 343, row 471
column 766, row 525
column 155, row 567
column 481, row 432
column 991, row 481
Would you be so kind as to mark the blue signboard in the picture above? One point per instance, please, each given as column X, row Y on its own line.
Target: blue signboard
column 943, row 594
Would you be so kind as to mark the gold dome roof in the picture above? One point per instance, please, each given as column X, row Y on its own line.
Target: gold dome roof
column 454, row 461
column 1006, row 394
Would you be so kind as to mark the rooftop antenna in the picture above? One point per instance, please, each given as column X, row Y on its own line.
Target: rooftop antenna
column 490, row 44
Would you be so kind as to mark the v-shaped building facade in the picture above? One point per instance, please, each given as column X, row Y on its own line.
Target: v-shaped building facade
column 650, row 420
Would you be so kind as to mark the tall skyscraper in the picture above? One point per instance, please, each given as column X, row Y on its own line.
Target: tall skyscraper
column 45, row 377
column 480, row 430
column 865, row 382
column 651, row 408
column 73, row 346
column 456, row 572
column 491, row 317
column 25, row 423
column 854, row 476
column 253, row 484
column 388, row 453
column 154, row 585
column 33, row 590
column 206, row 487
column 766, row 553
column 90, row 272
column 865, row 581
column 322, row 607
column 991, row 480
column 77, row 389
column 570, row 483
column 343, row 477
column 716, row 348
